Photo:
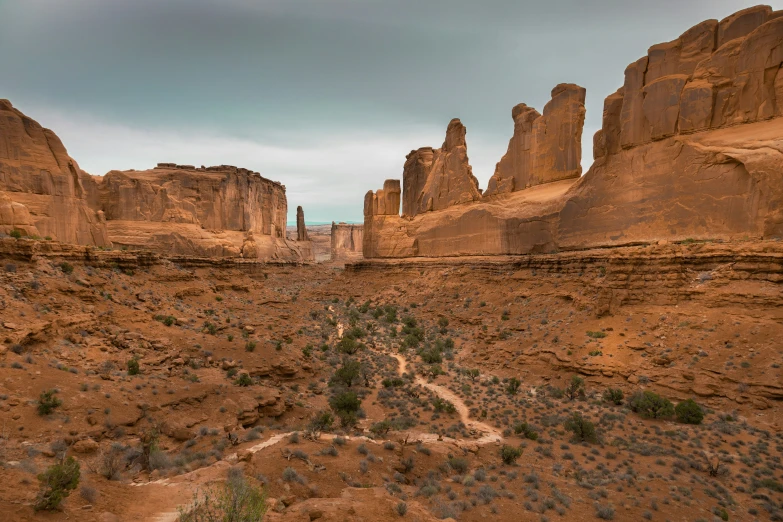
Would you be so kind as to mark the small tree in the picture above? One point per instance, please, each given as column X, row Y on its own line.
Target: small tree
column 133, row 366
column 348, row 373
column 320, row 422
column 513, row 386
column 583, row 429
column 576, row 388
column 47, row 402
column 614, row 395
column 473, row 373
column 57, row 482
column 510, row 454
column 346, row 406
column 688, row 412
column 381, row 428
column 651, row 405
column 244, row 380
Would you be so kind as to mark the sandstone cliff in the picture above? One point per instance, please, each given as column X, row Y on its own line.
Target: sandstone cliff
column 440, row 178
column 544, row 148
column 347, row 242
column 42, row 189
column 690, row 147
column 221, row 211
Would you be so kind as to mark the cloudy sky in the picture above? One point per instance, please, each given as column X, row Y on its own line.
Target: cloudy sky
column 326, row 96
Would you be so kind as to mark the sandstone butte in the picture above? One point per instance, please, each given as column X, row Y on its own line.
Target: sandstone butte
column 347, row 242
column 221, row 211
column 690, row 147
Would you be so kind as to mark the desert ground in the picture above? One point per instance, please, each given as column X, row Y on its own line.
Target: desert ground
column 412, row 390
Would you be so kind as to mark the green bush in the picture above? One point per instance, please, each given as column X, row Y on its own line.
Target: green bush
column 321, row 421
column 66, row 267
column 168, row 320
column 442, row 405
column 56, row 483
column 650, row 405
column 347, row 402
column 348, row 373
column 596, row 335
column 250, row 346
column 614, row 395
column 244, row 380
column 133, row 367
column 510, row 454
column 15, row 233
column 47, row 402
column 459, row 465
column 348, row 345
column 381, row 428
column 522, row 428
column 513, row 386
column 583, row 429
column 688, row 412
column 235, row 500
column 576, row 388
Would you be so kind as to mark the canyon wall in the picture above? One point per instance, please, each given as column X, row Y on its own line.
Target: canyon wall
column 221, row 211
column 347, row 242
column 690, row 147
column 42, row 189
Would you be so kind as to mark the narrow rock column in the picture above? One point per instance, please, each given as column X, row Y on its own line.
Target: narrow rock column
column 301, row 230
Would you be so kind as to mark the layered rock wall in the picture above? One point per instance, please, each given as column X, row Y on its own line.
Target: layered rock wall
column 347, row 242
column 42, row 189
column 544, row 148
column 691, row 147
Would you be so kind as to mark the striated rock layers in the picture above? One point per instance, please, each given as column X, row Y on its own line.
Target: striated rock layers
column 42, row 189
column 347, row 242
column 690, row 147
column 219, row 211
column 301, row 228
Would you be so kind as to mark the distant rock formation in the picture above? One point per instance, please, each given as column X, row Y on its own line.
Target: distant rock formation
column 42, row 189
column 221, row 211
column 544, row 148
column 690, row 147
column 347, row 241
column 440, row 178
column 301, row 229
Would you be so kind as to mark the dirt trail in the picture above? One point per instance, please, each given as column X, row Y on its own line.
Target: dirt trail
column 491, row 434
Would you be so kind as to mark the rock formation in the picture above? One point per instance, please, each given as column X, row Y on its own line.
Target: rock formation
column 42, row 189
column 544, row 148
column 440, row 178
column 690, row 147
column 301, row 229
column 221, row 211
column 347, row 241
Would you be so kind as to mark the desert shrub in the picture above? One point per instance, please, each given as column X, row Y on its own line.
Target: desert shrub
column 604, row 512
column 235, row 500
column 56, row 483
column 88, row 493
column 244, row 380
column 133, row 366
column 348, row 373
column 513, row 386
column 688, row 412
column 321, row 422
column 15, row 233
column 167, row 320
column 402, row 509
column 66, row 267
column 393, row 383
column 346, row 405
column 596, row 335
column 651, row 405
column 523, row 428
column 459, row 465
column 442, row 405
column 348, row 345
column 510, row 454
column 583, row 429
column 380, row 428
column 429, row 355
column 614, row 395
column 576, row 388
column 111, row 462
column 250, row 346
column 47, row 402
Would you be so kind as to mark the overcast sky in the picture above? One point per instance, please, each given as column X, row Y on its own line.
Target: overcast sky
column 326, row 96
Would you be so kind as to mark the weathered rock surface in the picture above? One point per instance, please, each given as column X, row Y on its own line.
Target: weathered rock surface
column 301, row 229
column 544, row 148
column 691, row 147
column 42, row 189
column 221, row 211
column 347, row 241
column 435, row 179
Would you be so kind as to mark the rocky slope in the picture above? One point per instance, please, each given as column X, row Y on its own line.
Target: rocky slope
column 690, row 148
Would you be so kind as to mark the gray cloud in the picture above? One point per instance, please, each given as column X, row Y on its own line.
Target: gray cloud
column 356, row 83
